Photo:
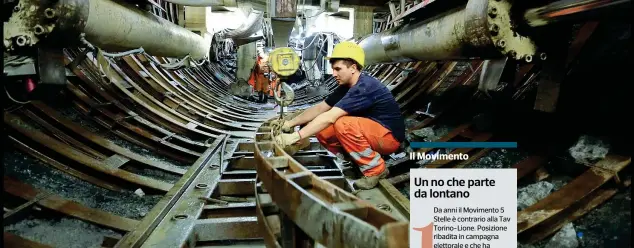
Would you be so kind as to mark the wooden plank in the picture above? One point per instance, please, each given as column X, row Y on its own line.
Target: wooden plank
column 57, row 165
column 529, row 165
column 586, row 205
column 61, row 135
column 69, row 152
column 103, row 142
column 15, row 241
column 70, row 208
column 572, row 192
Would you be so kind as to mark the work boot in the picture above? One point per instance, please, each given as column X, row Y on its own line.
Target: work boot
column 370, row 182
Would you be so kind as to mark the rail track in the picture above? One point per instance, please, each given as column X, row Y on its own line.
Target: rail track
column 202, row 167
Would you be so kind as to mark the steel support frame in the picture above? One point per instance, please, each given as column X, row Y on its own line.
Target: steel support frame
column 171, row 220
column 322, row 210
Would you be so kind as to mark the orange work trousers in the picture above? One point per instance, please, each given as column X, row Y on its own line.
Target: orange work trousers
column 365, row 140
column 261, row 83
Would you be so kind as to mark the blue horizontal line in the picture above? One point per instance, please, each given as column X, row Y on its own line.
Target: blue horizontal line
column 418, row 145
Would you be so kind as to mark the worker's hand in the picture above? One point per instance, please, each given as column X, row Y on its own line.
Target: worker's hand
column 287, row 139
column 288, row 128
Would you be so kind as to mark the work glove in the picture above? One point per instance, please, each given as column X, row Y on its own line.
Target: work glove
column 277, row 122
column 287, row 128
column 287, row 139
column 291, row 143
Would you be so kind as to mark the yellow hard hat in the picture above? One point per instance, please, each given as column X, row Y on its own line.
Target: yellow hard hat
column 348, row 50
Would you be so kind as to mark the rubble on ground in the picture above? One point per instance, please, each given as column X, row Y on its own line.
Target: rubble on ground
column 589, row 150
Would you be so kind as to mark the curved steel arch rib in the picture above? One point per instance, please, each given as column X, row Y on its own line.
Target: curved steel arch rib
column 325, row 212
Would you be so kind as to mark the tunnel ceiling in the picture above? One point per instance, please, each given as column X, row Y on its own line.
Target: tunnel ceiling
column 261, row 4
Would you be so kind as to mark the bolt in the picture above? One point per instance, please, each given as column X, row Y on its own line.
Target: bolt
column 384, row 207
column 38, row 29
column 202, row 186
column 16, row 8
column 180, row 217
column 493, row 12
column 49, row 13
column 494, row 28
column 528, row 58
column 502, row 43
column 21, row 40
column 542, row 56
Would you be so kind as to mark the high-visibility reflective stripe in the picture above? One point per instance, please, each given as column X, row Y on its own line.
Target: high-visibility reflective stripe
column 366, row 154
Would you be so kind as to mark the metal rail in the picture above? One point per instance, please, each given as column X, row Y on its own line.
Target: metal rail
column 167, row 205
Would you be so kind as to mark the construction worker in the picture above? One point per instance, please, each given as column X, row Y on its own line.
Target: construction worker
column 360, row 118
column 259, row 80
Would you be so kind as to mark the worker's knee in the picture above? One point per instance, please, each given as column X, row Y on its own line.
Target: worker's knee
column 326, row 134
column 341, row 123
column 321, row 136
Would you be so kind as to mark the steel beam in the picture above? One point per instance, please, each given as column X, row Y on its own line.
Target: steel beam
column 227, row 228
column 320, row 206
column 112, row 26
column 166, row 212
column 479, row 30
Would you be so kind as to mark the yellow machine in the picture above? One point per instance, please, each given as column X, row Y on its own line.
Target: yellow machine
column 284, row 61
